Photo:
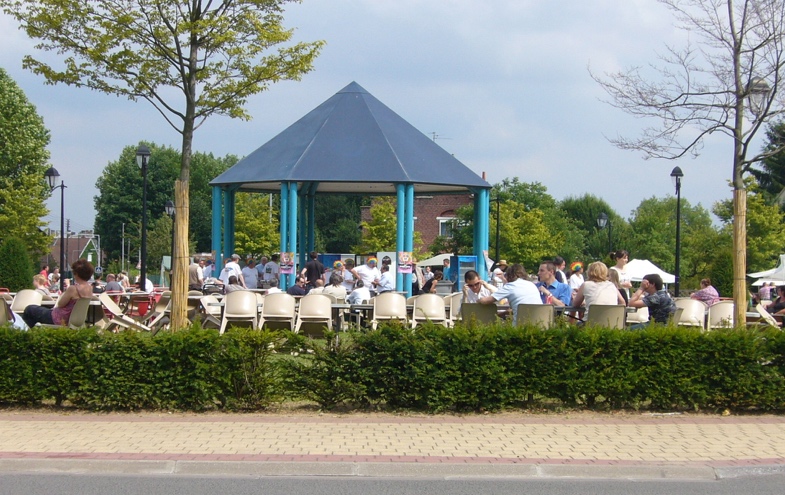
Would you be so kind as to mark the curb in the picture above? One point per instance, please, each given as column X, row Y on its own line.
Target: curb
column 378, row 470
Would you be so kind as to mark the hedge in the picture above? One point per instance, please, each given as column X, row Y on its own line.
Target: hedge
column 432, row 369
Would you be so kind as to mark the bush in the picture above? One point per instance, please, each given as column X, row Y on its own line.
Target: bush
column 16, row 269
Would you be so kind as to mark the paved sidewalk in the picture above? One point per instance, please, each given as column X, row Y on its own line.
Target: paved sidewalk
column 630, row 446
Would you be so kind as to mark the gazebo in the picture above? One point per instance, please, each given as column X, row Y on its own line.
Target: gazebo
column 350, row 144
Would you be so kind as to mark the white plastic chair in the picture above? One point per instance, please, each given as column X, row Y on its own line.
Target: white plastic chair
column 278, row 311
column 639, row 316
column 118, row 318
column 429, row 307
column 315, row 313
column 541, row 315
column 767, row 317
column 211, row 311
column 388, row 306
column 694, row 314
column 607, row 315
column 454, row 302
column 479, row 313
column 721, row 315
column 239, row 306
column 25, row 298
column 78, row 318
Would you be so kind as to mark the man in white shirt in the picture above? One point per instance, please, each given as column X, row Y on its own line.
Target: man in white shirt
column 386, row 283
column 475, row 288
column 250, row 275
column 517, row 290
column 232, row 267
column 368, row 273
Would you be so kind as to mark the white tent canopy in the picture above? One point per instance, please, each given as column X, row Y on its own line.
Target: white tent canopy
column 437, row 260
column 776, row 274
column 637, row 269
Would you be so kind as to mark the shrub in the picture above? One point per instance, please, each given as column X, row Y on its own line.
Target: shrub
column 16, row 269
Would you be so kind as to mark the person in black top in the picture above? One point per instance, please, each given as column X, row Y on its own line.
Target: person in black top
column 430, row 285
column 777, row 306
column 298, row 289
column 313, row 271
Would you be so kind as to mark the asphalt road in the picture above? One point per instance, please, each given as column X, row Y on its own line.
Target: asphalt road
column 40, row 484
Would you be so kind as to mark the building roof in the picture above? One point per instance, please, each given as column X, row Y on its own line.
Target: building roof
column 352, row 143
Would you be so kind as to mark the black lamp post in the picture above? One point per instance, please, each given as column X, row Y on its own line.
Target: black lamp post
column 169, row 207
column 758, row 95
column 602, row 221
column 676, row 175
column 142, row 155
column 51, row 176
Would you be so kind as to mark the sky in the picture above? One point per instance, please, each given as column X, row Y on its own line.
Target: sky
column 503, row 85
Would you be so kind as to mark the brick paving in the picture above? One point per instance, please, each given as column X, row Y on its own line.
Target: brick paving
column 623, row 440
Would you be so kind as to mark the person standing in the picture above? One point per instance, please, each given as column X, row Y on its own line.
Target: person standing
column 368, row 273
column 232, row 267
column 386, row 283
column 347, row 272
column 195, row 275
column 313, row 271
column 250, row 275
column 621, row 258
column 271, row 269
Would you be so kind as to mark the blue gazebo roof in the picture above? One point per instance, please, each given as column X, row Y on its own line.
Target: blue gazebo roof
column 352, row 143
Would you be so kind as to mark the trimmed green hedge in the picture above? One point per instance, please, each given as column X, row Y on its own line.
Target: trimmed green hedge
column 431, row 369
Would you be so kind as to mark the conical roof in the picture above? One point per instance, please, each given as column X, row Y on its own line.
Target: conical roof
column 352, row 143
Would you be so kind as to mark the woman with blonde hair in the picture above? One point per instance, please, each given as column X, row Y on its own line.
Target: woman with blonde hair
column 613, row 276
column 597, row 289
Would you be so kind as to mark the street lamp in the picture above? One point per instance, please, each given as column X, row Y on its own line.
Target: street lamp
column 169, row 208
column 758, row 94
column 142, row 155
column 51, row 177
column 676, row 175
column 602, row 221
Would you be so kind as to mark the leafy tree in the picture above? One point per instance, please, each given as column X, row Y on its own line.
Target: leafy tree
column 584, row 211
column 337, row 218
column 16, row 269
column 524, row 235
column 697, row 91
column 771, row 172
column 380, row 233
column 765, row 227
column 190, row 60
column 119, row 200
column 256, row 226
column 23, row 161
column 159, row 241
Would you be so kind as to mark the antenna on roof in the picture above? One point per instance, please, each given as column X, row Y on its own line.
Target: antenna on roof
column 435, row 136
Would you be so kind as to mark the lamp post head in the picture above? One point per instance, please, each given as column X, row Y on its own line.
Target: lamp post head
column 676, row 175
column 169, row 208
column 758, row 95
column 142, row 154
column 51, row 177
column 602, row 220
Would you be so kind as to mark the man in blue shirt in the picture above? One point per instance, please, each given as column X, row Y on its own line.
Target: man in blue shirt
column 551, row 290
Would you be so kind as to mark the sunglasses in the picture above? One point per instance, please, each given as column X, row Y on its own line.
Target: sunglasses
column 475, row 284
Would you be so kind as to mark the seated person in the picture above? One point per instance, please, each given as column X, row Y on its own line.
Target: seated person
column 273, row 283
column 298, row 289
column 318, row 287
column 597, row 289
column 233, row 284
column 651, row 295
column 551, row 290
column 430, row 285
column 517, row 290
column 54, row 285
column 41, row 284
column 777, row 306
column 98, row 286
column 474, row 287
column 61, row 313
column 112, row 285
column 359, row 294
column 335, row 288
column 707, row 293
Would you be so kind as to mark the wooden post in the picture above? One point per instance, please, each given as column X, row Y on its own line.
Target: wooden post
column 739, row 256
column 179, row 317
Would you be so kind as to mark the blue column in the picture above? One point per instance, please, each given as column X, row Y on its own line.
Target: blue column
column 302, row 256
column 482, row 232
column 408, row 237
column 216, row 244
column 284, row 227
column 293, row 222
column 401, row 213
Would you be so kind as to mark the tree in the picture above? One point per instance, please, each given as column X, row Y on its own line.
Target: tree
column 23, row 161
column 697, row 91
column 337, row 218
column 771, row 172
column 256, row 226
column 379, row 234
column 214, row 55
column 524, row 236
column 16, row 269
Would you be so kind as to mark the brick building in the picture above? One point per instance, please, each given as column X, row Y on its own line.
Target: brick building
column 432, row 214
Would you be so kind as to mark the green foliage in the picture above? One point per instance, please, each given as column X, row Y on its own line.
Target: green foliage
column 584, row 211
column 256, row 225
column 337, row 218
column 119, row 200
column 23, row 161
column 379, row 234
column 466, row 368
column 16, row 269
column 771, row 174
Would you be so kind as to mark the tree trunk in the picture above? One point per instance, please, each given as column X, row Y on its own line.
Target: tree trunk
column 740, row 255
column 179, row 317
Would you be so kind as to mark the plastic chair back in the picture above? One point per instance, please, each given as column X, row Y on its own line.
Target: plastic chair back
column 239, row 306
column 607, row 315
column 429, row 307
column 721, row 315
column 25, row 298
column 541, row 315
column 640, row 316
column 766, row 316
column 316, row 311
column 388, row 306
column 694, row 314
column 78, row 318
column 473, row 313
column 279, row 311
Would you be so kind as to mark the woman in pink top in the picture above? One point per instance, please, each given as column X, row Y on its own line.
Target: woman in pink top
column 59, row 315
column 707, row 294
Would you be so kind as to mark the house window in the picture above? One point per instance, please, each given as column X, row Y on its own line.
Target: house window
column 445, row 226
